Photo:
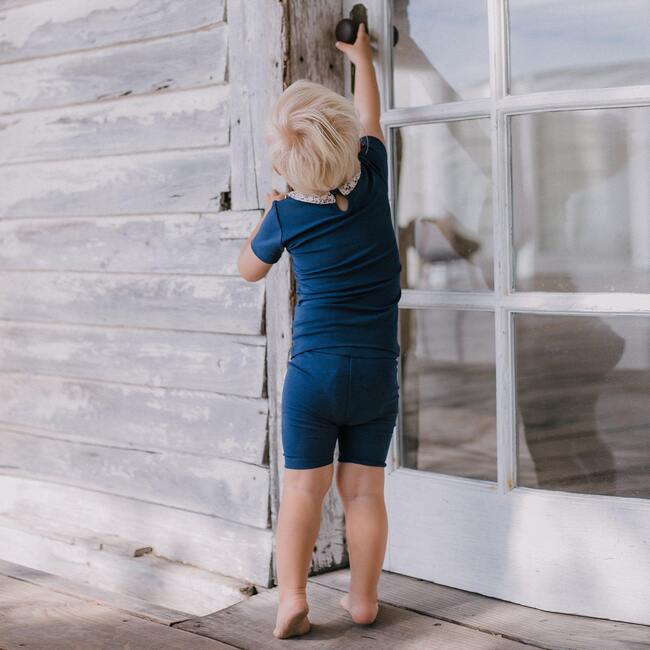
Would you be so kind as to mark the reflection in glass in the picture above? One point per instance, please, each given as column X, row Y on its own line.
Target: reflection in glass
column 581, row 202
column 442, row 51
column 560, row 45
column 443, row 205
column 448, row 392
column 582, row 398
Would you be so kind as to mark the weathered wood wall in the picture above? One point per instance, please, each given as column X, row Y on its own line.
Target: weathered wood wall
column 312, row 55
column 132, row 355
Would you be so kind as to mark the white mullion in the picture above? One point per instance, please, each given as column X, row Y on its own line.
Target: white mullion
column 556, row 100
column 531, row 301
column 444, row 112
column 386, row 84
column 579, row 303
column 559, row 100
column 386, row 53
column 503, row 331
column 423, row 298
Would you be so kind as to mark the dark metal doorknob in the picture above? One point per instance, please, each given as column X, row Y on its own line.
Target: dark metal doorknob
column 346, row 31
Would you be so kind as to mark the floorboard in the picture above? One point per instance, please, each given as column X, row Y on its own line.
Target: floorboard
column 37, row 618
column 249, row 625
column 526, row 624
column 141, row 608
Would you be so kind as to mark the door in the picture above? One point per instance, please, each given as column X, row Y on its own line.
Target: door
column 519, row 144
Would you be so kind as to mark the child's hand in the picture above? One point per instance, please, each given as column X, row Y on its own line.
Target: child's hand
column 360, row 50
column 274, row 195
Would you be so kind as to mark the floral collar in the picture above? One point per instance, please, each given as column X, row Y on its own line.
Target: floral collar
column 328, row 197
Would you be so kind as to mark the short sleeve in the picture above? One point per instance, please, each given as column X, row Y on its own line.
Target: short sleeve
column 373, row 153
column 267, row 242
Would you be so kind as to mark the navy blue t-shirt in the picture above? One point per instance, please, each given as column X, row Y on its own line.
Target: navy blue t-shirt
column 346, row 263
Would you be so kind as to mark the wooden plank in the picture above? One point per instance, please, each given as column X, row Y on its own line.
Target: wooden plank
column 10, row 4
column 61, row 585
column 249, row 624
column 214, row 486
column 204, row 541
column 530, row 626
column 47, row 529
column 169, row 181
column 255, row 82
column 152, row 66
column 174, row 243
column 62, row 622
column 312, row 55
column 308, row 28
column 197, row 117
column 136, row 416
column 278, row 312
column 55, row 27
column 198, row 303
column 155, row 579
column 222, row 363
column 254, row 88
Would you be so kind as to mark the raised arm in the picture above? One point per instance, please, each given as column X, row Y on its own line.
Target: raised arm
column 366, row 91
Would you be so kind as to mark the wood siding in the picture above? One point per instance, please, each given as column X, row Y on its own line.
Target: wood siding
column 132, row 355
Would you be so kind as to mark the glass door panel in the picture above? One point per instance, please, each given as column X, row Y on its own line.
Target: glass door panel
column 448, row 409
column 560, row 45
column 442, row 51
column 583, row 401
column 523, row 440
column 581, row 203
column 443, row 204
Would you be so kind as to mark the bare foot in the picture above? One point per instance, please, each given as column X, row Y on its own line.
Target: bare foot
column 292, row 619
column 363, row 613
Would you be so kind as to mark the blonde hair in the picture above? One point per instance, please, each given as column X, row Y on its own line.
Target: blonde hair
column 313, row 136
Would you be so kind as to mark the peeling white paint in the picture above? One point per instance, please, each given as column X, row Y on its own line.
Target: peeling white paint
column 191, row 118
column 138, row 68
column 58, row 26
column 19, row 24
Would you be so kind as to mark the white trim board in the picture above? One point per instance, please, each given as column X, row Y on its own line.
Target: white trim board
column 561, row 552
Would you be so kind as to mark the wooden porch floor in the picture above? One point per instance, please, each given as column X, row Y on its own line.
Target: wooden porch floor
column 43, row 612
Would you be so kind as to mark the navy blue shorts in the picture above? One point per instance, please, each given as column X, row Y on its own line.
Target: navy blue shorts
column 329, row 396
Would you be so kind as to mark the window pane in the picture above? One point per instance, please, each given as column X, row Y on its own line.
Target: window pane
column 581, row 200
column 444, row 205
column 442, row 51
column 448, row 392
column 560, row 45
column 582, row 398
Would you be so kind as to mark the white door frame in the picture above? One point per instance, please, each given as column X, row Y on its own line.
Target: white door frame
column 559, row 551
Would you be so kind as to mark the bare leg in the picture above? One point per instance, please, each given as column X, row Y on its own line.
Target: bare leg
column 299, row 515
column 361, row 488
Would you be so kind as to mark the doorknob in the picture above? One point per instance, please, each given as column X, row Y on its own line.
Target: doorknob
column 346, row 31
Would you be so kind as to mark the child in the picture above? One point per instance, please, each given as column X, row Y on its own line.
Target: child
column 341, row 382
